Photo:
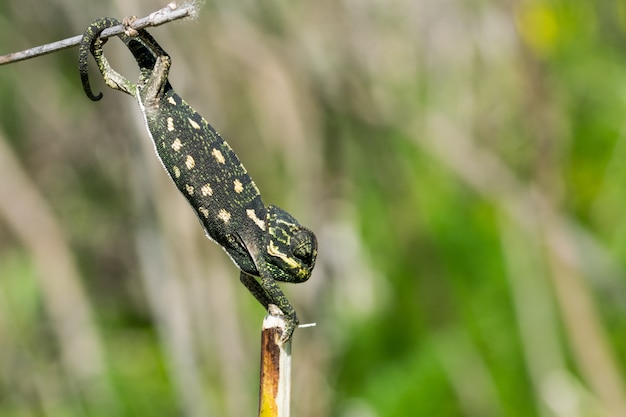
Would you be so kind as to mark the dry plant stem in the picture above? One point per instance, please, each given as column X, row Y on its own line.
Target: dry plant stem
column 275, row 386
column 167, row 14
column 28, row 215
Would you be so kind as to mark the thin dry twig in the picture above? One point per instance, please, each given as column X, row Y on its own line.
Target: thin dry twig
column 167, row 14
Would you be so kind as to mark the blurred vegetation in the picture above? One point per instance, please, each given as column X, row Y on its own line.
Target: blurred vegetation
column 458, row 160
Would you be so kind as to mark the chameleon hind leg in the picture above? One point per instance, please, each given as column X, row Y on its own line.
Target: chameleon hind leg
column 111, row 77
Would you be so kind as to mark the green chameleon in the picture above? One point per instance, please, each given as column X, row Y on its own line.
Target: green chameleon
column 265, row 242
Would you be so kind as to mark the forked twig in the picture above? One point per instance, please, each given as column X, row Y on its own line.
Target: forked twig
column 167, row 14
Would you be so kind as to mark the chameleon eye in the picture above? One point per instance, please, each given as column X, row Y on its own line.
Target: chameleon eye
column 304, row 246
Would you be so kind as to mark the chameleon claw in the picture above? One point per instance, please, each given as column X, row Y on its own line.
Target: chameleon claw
column 128, row 29
column 286, row 336
column 290, row 325
column 290, row 322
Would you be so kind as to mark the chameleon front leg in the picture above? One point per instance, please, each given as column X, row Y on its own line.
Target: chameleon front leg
column 255, row 289
column 268, row 292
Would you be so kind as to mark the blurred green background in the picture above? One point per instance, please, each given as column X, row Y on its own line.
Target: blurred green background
column 462, row 163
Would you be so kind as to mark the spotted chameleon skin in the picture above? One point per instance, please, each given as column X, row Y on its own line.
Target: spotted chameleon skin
column 263, row 241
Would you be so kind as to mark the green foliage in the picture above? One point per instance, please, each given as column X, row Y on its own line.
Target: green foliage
column 460, row 162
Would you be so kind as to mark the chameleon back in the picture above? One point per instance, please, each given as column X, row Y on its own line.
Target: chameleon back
column 208, row 173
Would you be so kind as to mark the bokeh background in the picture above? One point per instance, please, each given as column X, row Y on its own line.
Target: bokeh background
column 463, row 164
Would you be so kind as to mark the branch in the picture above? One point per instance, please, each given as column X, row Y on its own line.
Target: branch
column 167, row 14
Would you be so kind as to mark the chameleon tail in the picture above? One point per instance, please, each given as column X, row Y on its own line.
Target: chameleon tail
column 87, row 44
column 143, row 46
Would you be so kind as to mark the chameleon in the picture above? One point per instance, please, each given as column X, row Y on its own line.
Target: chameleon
column 266, row 243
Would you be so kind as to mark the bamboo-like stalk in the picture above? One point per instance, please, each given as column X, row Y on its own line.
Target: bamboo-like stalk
column 28, row 214
column 275, row 384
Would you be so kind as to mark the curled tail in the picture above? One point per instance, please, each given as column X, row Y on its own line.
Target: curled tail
column 87, row 45
column 143, row 46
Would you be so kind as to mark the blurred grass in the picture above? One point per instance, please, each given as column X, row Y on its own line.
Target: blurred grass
column 459, row 161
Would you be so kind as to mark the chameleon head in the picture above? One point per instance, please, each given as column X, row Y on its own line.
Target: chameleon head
column 291, row 249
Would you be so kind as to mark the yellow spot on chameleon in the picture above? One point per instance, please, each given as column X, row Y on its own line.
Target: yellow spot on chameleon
column 252, row 215
column 206, row 190
column 176, row 171
column 238, row 186
column 193, row 124
column 171, row 100
column 177, row 144
column 223, row 215
column 170, row 124
column 204, row 211
column 218, row 156
column 189, row 189
column 190, row 162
